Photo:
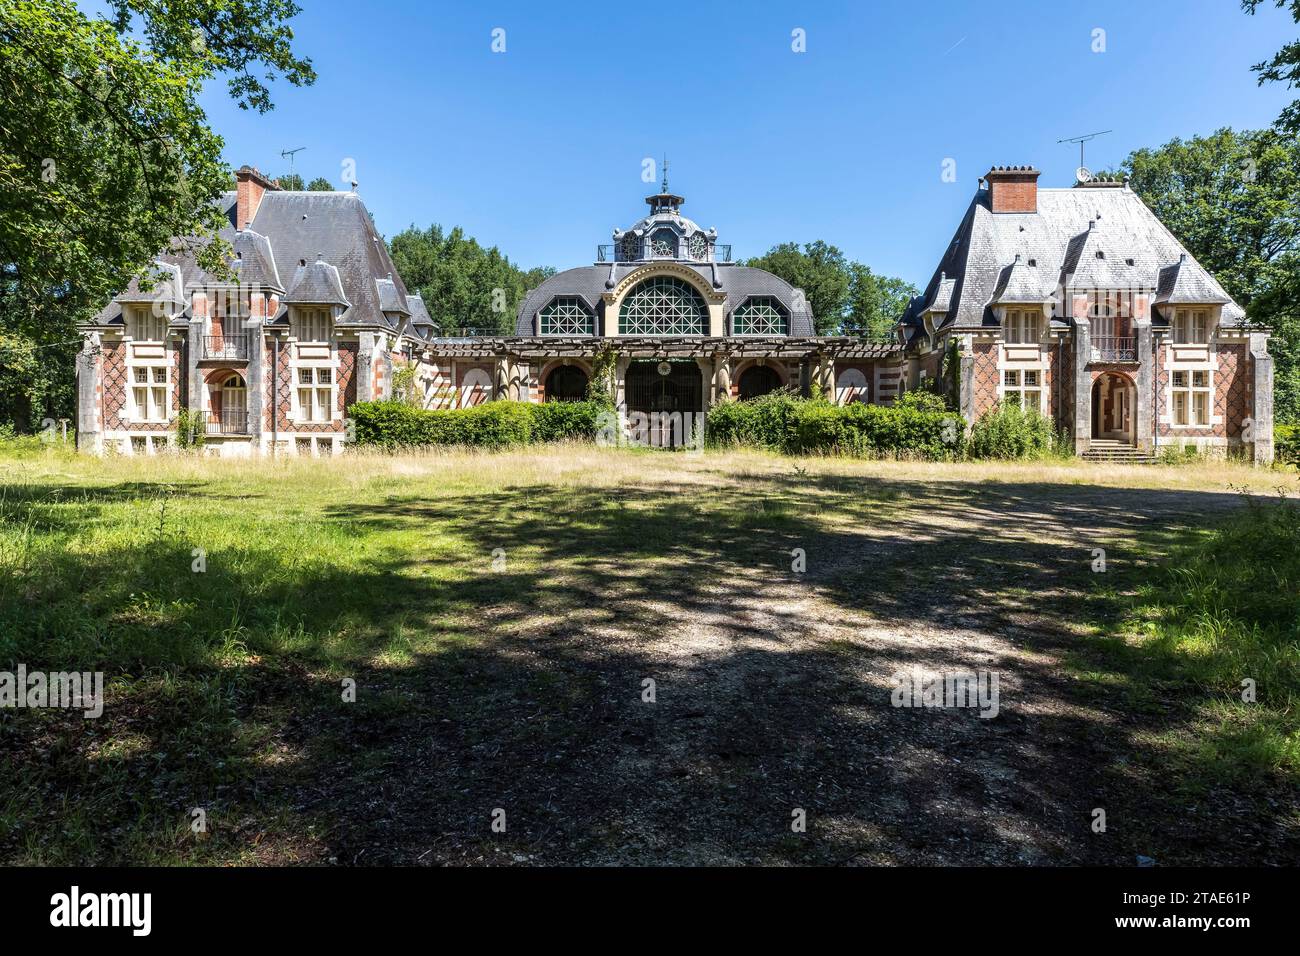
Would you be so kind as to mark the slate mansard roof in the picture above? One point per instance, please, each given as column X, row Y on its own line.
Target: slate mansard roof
column 1085, row 237
column 318, row 247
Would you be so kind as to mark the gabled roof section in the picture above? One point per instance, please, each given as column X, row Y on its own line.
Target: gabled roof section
column 304, row 227
column 1023, row 284
column 1187, row 283
column 168, row 286
column 317, row 283
column 1060, row 245
column 391, row 298
column 254, row 264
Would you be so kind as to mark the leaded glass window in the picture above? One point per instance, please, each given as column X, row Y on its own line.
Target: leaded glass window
column 664, row 244
column 760, row 316
column 698, row 246
column 567, row 316
column 629, row 247
column 663, row 305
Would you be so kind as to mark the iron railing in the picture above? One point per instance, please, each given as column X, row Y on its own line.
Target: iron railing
column 231, row 347
column 609, row 253
column 1109, row 348
column 236, row 425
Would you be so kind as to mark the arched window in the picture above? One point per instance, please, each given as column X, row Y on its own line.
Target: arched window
column 663, row 244
column 663, row 305
column 629, row 247
column 566, row 383
column 761, row 315
column 758, row 380
column 567, row 316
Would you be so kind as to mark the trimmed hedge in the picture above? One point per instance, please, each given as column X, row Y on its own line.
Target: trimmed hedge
column 809, row 426
column 490, row 425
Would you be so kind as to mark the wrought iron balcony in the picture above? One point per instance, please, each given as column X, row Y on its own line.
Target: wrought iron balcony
column 609, row 253
column 1114, row 349
column 236, row 424
column 231, row 347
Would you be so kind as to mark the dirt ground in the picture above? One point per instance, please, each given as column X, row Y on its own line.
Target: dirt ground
column 772, row 687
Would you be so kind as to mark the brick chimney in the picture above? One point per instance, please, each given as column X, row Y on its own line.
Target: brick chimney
column 1013, row 188
column 250, row 185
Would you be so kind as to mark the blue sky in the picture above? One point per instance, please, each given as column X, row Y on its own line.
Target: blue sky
column 539, row 149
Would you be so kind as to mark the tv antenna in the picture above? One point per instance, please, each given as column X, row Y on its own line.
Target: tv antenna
column 1082, row 174
column 290, row 153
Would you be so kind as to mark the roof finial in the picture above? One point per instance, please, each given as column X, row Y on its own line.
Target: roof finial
column 665, row 189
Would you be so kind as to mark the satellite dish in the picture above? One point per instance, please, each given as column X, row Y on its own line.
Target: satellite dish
column 1083, row 174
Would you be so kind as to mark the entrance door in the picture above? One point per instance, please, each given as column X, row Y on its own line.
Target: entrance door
column 231, row 406
column 1112, row 408
column 671, row 394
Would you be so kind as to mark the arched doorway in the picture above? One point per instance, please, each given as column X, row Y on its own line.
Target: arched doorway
column 850, row 387
column 475, row 387
column 670, row 396
column 1113, row 398
column 758, row 380
column 566, row 383
column 230, row 404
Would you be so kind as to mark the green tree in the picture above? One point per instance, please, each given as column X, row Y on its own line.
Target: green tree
column 320, row 185
column 846, row 298
column 875, row 304
column 1284, row 67
column 464, row 285
column 1233, row 198
column 291, row 182
column 818, row 268
column 105, row 154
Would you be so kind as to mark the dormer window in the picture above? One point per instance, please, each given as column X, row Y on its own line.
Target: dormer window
column 145, row 326
column 698, row 247
column 629, row 247
column 312, row 325
column 1023, row 327
column 1191, row 327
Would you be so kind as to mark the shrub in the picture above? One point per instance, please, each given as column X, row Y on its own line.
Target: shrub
column 566, row 421
column 812, row 426
column 1008, row 431
column 1286, row 444
column 763, row 422
column 395, row 424
column 922, row 401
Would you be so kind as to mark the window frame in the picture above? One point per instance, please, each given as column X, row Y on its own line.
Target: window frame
column 311, row 319
column 1016, row 325
column 1191, row 398
column 306, row 414
column 142, row 321
column 1185, row 326
column 1015, row 381
column 157, row 403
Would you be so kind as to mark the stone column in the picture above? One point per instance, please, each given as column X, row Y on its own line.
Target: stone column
column 721, row 378
column 90, row 366
column 257, row 378
column 1145, row 421
column 1261, row 412
column 966, row 383
column 1082, row 385
column 365, row 367
column 501, row 378
column 620, row 382
column 706, row 383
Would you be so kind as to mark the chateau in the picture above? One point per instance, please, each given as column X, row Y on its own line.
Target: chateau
column 1076, row 301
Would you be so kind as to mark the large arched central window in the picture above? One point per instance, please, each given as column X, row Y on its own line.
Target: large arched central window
column 663, row 305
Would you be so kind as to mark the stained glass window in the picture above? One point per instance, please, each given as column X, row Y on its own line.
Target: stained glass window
column 760, row 316
column 567, row 316
column 663, row 305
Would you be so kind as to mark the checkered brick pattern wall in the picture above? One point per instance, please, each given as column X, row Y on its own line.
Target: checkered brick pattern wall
column 344, row 376
column 985, row 376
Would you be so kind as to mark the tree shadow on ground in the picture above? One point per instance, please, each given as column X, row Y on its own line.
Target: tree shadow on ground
column 524, row 687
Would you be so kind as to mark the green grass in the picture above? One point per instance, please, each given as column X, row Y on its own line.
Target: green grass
column 478, row 683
